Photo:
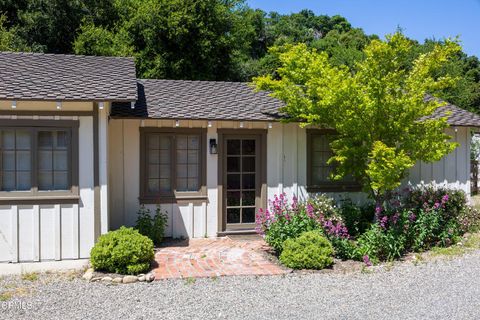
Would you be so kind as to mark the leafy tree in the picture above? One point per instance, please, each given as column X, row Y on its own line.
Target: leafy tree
column 9, row 41
column 378, row 107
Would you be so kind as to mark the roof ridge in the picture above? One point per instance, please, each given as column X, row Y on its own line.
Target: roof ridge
column 193, row 81
column 49, row 54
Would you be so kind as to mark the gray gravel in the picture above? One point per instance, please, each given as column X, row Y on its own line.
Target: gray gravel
column 445, row 289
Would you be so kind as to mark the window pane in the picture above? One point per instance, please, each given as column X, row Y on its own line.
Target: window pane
column 248, row 215
column 248, row 164
column 153, row 185
column 233, row 164
column 182, row 171
column 23, row 160
column 233, row 215
column 193, row 142
column 248, row 181
column 165, row 143
column 192, row 171
column 233, row 181
column 45, row 161
column 153, row 156
column 45, row 180
column 45, row 139
column 153, row 171
column 165, row 185
column 60, row 160
column 23, row 140
column 182, row 184
column 23, row 180
column 8, row 181
column 60, row 180
column 233, row 198
column 193, row 156
column 248, row 147
column 233, row 147
column 53, row 159
column 182, row 142
column 8, row 160
column 248, row 198
column 182, row 156
column 153, row 141
column 8, row 139
column 193, row 184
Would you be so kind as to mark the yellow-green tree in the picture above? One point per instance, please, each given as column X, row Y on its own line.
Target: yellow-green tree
column 378, row 107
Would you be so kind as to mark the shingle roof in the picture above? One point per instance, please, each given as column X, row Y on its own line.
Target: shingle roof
column 38, row 76
column 207, row 100
column 213, row 100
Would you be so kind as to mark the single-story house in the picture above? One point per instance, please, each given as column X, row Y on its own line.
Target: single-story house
column 84, row 143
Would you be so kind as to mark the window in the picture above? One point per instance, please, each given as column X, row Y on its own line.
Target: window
column 172, row 164
column 318, row 170
column 38, row 158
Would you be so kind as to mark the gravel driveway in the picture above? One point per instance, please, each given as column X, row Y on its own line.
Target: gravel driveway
column 445, row 289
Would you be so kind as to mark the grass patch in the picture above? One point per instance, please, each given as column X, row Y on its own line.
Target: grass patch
column 473, row 241
column 30, row 277
column 5, row 296
column 448, row 251
column 190, row 280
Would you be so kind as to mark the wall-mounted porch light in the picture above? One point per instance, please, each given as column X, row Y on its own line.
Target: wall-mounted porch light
column 59, row 105
column 14, row 104
column 132, row 105
column 213, row 146
column 100, row 105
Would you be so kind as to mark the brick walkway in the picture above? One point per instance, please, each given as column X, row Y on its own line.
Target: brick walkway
column 214, row 257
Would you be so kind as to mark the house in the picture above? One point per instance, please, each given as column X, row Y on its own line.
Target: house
column 83, row 144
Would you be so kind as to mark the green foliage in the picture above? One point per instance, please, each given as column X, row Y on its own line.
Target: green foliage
column 283, row 229
column 378, row 110
column 123, row 251
column 345, row 249
column 152, row 227
column 357, row 218
column 309, row 251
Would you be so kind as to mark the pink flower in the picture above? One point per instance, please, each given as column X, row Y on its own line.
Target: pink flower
column 367, row 261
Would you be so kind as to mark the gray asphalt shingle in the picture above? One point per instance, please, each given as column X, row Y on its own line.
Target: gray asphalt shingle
column 39, row 76
column 215, row 100
column 208, row 100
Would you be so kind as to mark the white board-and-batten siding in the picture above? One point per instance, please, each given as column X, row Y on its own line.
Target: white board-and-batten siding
column 286, row 172
column 57, row 231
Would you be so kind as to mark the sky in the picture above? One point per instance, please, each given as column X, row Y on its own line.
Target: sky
column 420, row 19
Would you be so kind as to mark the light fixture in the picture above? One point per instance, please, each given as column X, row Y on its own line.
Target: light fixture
column 213, row 146
column 14, row 104
column 241, row 124
column 100, row 105
column 177, row 123
column 59, row 105
column 132, row 105
column 270, row 125
column 209, row 124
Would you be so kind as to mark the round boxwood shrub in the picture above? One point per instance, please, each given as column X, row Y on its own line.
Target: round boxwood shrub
column 310, row 250
column 123, row 251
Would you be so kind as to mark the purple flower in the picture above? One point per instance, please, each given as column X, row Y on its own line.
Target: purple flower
column 412, row 217
column 436, row 205
column 445, row 198
column 367, row 261
column 383, row 222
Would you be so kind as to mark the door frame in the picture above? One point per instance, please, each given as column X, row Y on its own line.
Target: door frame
column 262, row 171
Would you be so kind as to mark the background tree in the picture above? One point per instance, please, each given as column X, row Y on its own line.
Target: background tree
column 204, row 39
column 377, row 107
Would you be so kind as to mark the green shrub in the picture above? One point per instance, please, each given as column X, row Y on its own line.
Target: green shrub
column 123, row 251
column 152, row 227
column 282, row 229
column 344, row 249
column 309, row 251
column 357, row 219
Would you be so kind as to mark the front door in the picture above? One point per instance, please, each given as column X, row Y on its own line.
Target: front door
column 241, row 196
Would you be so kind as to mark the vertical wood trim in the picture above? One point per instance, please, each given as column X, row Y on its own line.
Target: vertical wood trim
column 191, row 212
column 103, row 170
column 76, row 231
column 96, row 180
column 58, row 232
column 14, row 240
column 36, row 233
column 204, row 211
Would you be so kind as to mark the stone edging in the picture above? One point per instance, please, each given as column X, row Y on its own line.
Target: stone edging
column 89, row 276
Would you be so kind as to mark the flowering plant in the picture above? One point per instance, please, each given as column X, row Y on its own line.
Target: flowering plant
column 285, row 220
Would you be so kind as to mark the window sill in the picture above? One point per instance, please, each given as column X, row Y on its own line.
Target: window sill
column 44, row 199
column 334, row 188
column 173, row 199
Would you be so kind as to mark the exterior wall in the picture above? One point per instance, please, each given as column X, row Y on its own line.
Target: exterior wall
column 286, row 172
column 54, row 231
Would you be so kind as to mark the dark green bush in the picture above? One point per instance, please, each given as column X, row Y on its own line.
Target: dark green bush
column 356, row 218
column 152, row 227
column 123, row 251
column 309, row 251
